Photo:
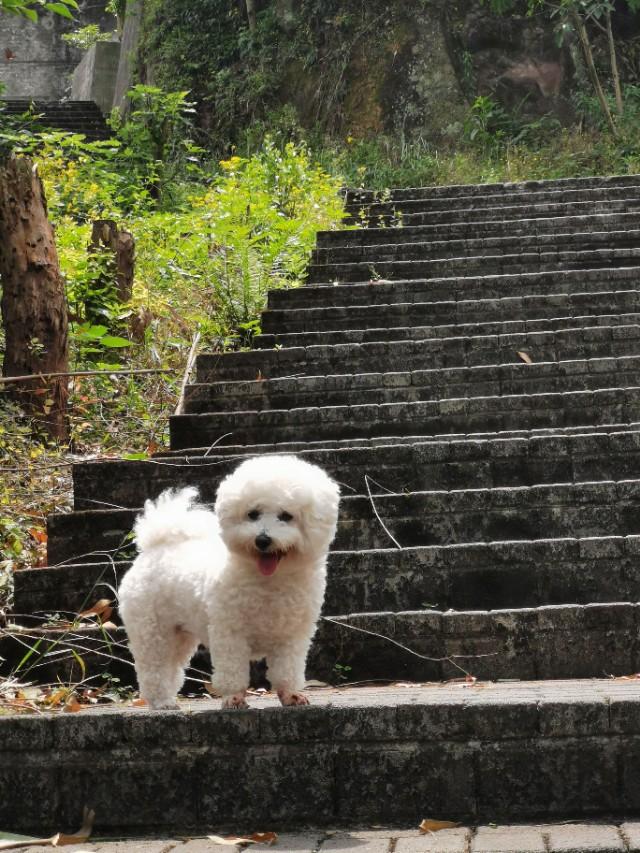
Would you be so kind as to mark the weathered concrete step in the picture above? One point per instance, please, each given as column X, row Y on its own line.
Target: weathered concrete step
column 545, row 260
column 464, row 288
column 377, row 334
column 495, row 212
column 555, row 511
column 519, row 197
column 498, row 189
column 485, row 752
column 413, row 386
column 457, row 415
column 453, row 311
column 473, row 247
column 561, row 641
column 492, row 228
column 588, row 340
column 485, row 576
column 415, row 466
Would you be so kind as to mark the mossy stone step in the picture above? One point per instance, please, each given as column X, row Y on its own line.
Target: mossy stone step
column 412, row 519
column 413, row 386
column 545, row 260
column 588, row 339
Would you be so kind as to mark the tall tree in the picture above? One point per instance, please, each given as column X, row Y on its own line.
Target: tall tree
column 33, row 306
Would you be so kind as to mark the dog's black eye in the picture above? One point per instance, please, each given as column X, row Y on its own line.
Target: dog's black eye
column 285, row 516
column 254, row 514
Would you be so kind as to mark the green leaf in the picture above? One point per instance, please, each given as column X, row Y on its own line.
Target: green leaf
column 135, row 456
column 113, row 341
column 59, row 9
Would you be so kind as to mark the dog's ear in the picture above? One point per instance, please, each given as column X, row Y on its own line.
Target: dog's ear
column 320, row 510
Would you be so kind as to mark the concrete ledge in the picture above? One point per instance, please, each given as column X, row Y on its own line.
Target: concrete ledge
column 482, row 752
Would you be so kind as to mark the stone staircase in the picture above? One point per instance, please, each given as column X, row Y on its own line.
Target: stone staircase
column 472, row 379
column 72, row 116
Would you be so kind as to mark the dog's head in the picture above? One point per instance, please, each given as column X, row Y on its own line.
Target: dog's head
column 277, row 508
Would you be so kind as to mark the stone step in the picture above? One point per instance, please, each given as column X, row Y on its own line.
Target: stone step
column 450, row 312
column 457, row 415
column 472, row 247
column 478, row 752
column 517, row 197
column 576, row 341
column 468, row 230
column 409, row 466
column 71, row 116
column 553, row 642
column 474, row 265
column 495, row 212
column 558, row 510
column 414, row 386
column 498, row 189
column 387, row 292
column 486, row 576
column 378, row 334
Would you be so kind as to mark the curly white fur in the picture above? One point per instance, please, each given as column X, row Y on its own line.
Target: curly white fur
column 247, row 581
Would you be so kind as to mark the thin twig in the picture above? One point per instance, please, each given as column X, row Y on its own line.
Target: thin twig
column 7, row 380
column 447, row 659
column 382, row 524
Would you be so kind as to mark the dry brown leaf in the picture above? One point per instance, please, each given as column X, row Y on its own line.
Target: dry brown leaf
column 72, row 706
column 139, row 703
column 102, row 609
column 525, row 357
column 39, row 535
column 429, row 825
column 83, row 834
column 268, row 838
column 59, row 839
column 110, row 626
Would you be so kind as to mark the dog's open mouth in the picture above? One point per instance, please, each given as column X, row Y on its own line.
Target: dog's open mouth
column 268, row 563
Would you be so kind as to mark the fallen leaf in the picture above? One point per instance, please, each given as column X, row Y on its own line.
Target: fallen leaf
column 71, row 706
column 139, row 703
column 268, row 838
column 39, row 535
column 102, row 609
column 525, row 357
column 429, row 825
column 109, row 626
column 57, row 840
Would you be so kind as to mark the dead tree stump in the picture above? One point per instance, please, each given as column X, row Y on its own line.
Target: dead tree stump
column 34, row 306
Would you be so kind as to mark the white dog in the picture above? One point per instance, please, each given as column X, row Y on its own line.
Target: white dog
column 247, row 581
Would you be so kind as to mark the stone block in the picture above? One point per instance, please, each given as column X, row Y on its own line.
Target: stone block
column 508, row 839
column 584, row 839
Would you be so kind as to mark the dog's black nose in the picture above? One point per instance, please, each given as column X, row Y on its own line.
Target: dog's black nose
column 263, row 541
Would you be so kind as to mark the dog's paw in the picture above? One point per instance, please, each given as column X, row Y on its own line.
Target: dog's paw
column 237, row 700
column 295, row 698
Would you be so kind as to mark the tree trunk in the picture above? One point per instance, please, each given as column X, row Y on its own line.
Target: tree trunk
column 251, row 14
column 614, row 66
column 34, row 307
column 106, row 237
column 591, row 68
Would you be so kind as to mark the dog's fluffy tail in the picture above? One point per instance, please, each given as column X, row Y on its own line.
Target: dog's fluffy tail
column 172, row 518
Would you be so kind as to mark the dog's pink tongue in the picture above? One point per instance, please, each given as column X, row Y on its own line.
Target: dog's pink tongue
column 268, row 563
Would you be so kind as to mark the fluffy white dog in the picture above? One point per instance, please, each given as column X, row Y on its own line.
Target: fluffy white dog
column 247, row 581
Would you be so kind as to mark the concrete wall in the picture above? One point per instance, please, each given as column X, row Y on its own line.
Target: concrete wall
column 95, row 78
column 34, row 61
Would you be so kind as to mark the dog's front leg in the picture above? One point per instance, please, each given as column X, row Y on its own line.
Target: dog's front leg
column 231, row 660
column 286, row 666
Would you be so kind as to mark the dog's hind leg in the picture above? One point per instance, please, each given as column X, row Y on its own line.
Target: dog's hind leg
column 161, row 657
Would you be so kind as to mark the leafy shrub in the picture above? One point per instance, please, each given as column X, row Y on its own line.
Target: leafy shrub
column 86, row 37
